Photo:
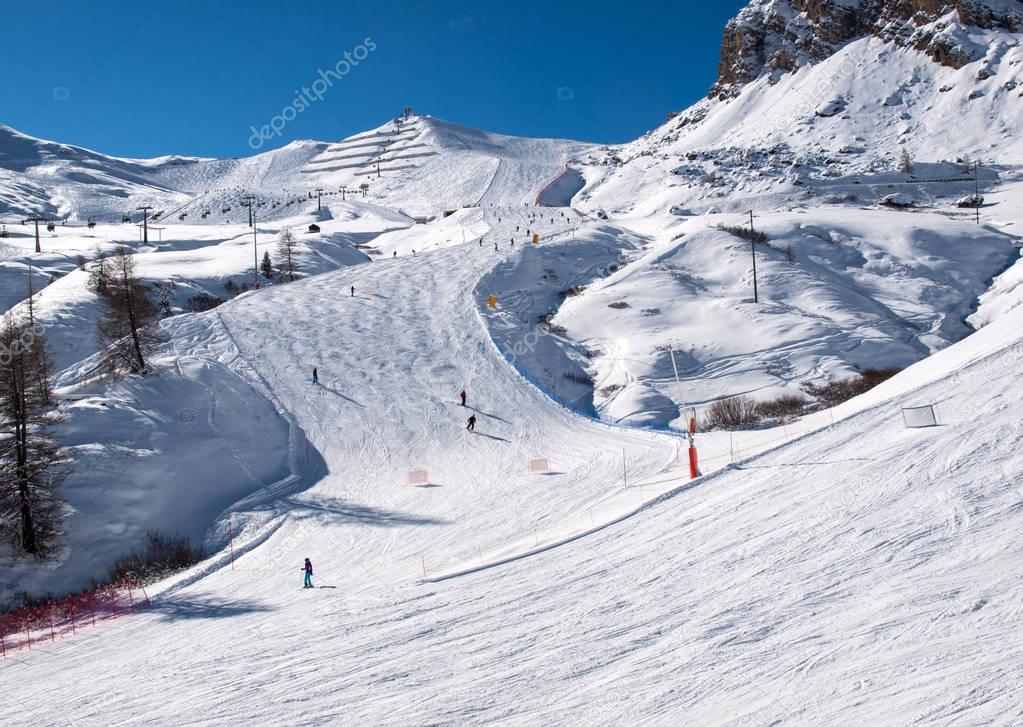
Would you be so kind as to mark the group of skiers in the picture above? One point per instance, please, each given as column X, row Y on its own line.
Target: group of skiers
column 470, row 426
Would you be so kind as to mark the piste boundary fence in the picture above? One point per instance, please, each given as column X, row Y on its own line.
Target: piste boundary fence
column 718, row 449
column 46, row 622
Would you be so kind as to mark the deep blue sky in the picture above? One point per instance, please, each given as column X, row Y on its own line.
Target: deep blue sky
column 152, row 77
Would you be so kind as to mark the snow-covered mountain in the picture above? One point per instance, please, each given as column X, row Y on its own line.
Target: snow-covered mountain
column 837, row 567
column 425, row 165
column 774, row 37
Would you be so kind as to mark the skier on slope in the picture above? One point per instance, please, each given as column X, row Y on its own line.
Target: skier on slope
column 308, row 568
column 471, row 426
column 464, row 396
column 353, row 291
column 316, row 376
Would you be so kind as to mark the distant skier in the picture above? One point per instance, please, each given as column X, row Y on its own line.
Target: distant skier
column 395, row 253
column 464, row 396
column 413, row 252
column 495, row 245
column 316, row 376
column 513, row 242
column 308, row 568
column 471, row 426
column 481, row 242
column 353, row 291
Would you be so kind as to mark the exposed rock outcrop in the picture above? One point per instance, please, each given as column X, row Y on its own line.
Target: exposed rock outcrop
column 771, row 36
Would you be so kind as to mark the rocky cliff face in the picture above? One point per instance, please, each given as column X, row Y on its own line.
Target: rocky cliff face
column 770, row 36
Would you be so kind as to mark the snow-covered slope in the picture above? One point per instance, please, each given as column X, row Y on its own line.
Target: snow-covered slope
column 428, row 167
column 866, row 572
column 838, row 292
column 839, row 568
column 820, row 128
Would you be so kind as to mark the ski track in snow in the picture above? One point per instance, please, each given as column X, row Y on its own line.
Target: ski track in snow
column 799, row 585
column 842, row 570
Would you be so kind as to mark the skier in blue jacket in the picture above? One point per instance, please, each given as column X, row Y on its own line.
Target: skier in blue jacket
column 308, row 573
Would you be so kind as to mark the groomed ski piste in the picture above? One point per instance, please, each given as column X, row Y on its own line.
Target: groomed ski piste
column 857, row 570
column 839, row 568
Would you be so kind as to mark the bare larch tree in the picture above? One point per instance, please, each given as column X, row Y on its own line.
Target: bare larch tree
column 126, row 326
column 32, row 467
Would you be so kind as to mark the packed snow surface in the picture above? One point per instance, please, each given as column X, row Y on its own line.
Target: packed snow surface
column 836, row 568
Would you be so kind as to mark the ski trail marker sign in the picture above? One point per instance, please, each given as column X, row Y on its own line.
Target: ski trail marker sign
column 418, row 477
column 919, row 417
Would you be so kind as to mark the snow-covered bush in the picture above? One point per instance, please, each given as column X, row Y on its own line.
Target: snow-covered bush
column 202, row 302
column 160, row 556
column 737, row 412
column 905, row 162
column 745, row 233
column 834, row 393
column 787, row 405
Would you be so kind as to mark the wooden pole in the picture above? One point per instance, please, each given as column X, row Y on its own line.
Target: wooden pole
column 753, row 250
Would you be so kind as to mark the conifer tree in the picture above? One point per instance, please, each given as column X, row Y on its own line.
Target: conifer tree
column 32, row 467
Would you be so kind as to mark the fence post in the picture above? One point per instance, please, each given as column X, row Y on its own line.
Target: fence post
column 92, row 609
column 28, row 637
column 131, row 601
column 71, row 614
column 230, row 532
column 3, row 646
column 113, row 603
column 143, row 587
column 49, row 615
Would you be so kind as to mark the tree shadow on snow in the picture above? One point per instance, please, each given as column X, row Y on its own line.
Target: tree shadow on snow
column 351, row 512
column 174, row 608
column 488, row 415
column 335, row 392
column 489, row 436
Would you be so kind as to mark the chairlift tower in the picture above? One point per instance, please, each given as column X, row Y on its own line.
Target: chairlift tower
column 145, row 222
column 251, row 199
column 37, row 220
